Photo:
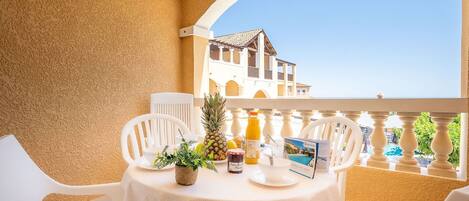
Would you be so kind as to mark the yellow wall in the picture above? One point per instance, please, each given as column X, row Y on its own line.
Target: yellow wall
column 371, row 184
column 72, row 73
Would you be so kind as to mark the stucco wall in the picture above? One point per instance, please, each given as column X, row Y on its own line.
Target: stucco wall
column 370, row 184
column 73, row 72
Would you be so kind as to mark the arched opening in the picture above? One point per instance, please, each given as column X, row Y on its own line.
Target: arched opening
column 260, row 94
column 232, row 88
column 212, row 87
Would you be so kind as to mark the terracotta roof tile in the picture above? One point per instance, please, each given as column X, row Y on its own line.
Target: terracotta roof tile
column 239, row 39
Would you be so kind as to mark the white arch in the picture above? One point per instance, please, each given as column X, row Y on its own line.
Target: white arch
column 213, row 13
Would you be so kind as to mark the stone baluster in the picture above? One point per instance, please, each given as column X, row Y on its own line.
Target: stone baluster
column 287, row 130
column 378, row 141
column 328, row 113
column 236, row 123
column 268, row 129
column 306, row 115
column 442, row 146
column 408, row 143
column 354, row 116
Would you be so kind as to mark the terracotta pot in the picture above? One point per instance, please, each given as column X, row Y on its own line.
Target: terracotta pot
column 185, row 175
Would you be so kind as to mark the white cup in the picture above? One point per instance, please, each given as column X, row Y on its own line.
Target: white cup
column 149, row 154
column 277, row 172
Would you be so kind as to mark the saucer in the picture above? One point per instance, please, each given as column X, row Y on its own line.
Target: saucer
column 260, row 178
column 220, row 162
column 144, row 164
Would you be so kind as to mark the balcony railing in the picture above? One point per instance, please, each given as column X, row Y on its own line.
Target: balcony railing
column 280, row 75
column 442, row 111
column 267, row 74
column 253, row 72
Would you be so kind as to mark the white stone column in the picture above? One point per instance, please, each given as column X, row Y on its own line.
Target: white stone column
column 236, row 124
column 306, row 116
column 243, row 61
column 285, row 79
column 220, row 54
column 378, row 141
column 287, row 130
column 442, row 146
column 408, row 143
column 294, row 79
column 260, row 55
column 274, row 68
column 268, row 129
column 231, row 55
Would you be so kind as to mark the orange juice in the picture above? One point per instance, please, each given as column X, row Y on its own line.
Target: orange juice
column 253, row 137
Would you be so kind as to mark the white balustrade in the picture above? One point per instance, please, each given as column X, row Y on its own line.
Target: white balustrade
column 442, row 112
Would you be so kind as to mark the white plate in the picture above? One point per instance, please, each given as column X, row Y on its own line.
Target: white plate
column 144, row 164
column 259, row 178
column 220, row 162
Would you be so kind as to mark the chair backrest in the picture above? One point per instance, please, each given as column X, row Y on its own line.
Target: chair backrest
column 150, row 130
column 179, row 105
column 345, row 141
column 21, row 179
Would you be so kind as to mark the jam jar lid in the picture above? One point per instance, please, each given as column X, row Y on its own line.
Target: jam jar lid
column 236, row 151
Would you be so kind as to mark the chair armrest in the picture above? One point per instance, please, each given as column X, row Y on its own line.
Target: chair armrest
column 111, row 190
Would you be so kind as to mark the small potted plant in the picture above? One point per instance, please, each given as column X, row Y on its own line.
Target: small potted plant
column 187, row 161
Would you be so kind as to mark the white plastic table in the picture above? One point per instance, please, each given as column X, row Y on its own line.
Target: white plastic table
column 146, row 185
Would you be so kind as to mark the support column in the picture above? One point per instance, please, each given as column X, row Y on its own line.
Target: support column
column 231, row 55
column 236, row 124
column 328, row 113
column 408, row 143
column 294, row 80
column 285, row 79
column 273, row 67
column 287, row 130
column 220, row 55
column 260, row 55
column 243, row 61
column 442, row 146
column 268, row 129
column 378, row 141
column 306, row 115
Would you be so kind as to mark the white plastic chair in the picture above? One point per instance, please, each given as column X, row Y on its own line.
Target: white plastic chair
column 345, row 140
column 179, row 105
column 153, row 130
column 22, row 180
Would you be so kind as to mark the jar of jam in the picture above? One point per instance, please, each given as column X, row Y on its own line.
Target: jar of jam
column 235, row 161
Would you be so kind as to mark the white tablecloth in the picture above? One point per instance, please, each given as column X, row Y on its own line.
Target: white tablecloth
column 145, row 185
column 459, row 194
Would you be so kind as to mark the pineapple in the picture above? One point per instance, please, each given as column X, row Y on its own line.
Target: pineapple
column 213, row 119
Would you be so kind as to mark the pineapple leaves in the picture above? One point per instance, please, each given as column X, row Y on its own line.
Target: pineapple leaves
column 213, row 113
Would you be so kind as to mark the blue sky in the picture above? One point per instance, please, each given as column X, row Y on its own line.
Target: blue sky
column 404, row 48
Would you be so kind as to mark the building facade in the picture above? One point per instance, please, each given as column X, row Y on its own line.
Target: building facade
column 245, row 65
